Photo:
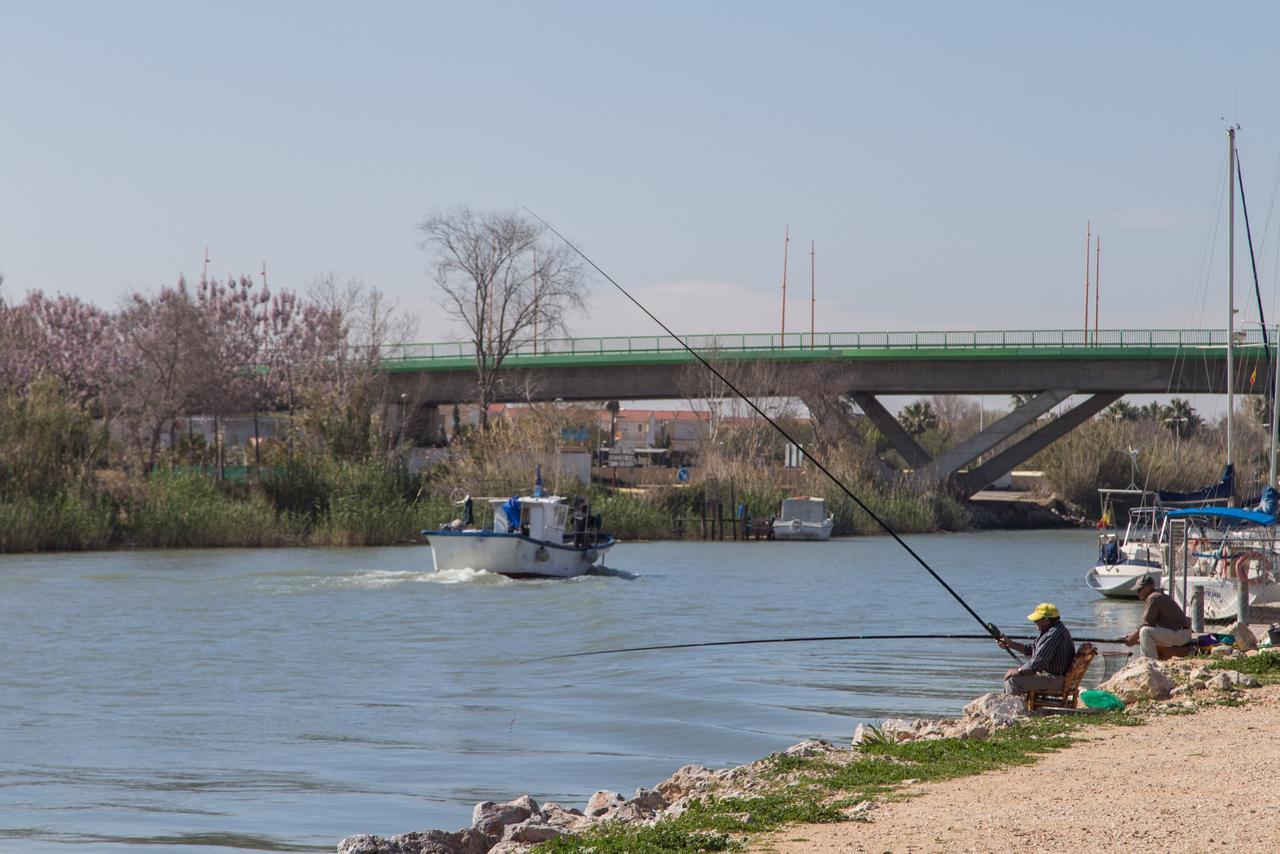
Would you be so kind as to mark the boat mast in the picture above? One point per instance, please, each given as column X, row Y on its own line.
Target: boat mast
column 1231, row 280
column 1275, row 413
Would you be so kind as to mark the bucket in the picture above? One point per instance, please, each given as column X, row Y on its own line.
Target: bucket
column 1274, row 634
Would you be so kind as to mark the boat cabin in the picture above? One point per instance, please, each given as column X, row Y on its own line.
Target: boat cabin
column 804, row 509
column 542, row 518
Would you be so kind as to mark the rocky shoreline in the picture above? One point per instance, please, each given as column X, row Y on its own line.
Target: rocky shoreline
column 516, row 826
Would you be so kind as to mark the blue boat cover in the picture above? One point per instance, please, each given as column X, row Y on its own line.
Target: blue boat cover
column 512, row 511
column 1228, row 515
column 1222, row 489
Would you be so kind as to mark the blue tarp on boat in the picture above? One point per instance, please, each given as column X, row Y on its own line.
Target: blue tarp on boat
column 1222, row 489
column 1227, row 515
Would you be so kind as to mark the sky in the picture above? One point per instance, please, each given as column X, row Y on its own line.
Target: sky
column 944, row 158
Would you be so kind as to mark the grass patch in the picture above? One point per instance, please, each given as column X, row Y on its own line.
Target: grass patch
column 1266, row 666
column 816, row 790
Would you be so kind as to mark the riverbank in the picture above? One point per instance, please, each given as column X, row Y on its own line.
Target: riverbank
column 908, row 785
column 1181, row 782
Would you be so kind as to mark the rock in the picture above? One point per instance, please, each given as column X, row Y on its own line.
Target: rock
column 814, row 747
column 530, row 832
column 996, row 710
column 974, row 731
column 863, row 733
column 649, row 799
column 602, row 803
column 426, row 842
column 489, row 818
column 567, row 820
column 1197, row 684
column 1245, row 638
column 1201, row 673
column 688, row 780
column 1141, row 680
column 1227, row 680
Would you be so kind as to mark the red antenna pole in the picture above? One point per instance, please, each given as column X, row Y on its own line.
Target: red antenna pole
column 1097, row 286
column 1088, row 233
column 813, row 303
column 535, row 302
column 786, row 246
column 264, row 273
column 204, row 271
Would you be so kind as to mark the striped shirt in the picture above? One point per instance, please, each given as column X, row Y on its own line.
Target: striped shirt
column 1052, row 652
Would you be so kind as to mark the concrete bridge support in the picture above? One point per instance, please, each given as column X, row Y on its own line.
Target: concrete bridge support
column 930, row 474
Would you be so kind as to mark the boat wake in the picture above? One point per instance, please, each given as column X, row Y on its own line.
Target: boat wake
column 464, row 576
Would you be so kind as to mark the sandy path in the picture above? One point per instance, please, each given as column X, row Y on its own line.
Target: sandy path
column 1218, row 790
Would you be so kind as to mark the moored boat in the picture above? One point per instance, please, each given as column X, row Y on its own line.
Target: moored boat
column 803, row 518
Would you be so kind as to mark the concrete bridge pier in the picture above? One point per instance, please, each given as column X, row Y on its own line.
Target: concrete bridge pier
column 945, row 471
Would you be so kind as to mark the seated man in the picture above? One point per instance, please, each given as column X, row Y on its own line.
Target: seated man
column 1163, row 623
column 1051, row 654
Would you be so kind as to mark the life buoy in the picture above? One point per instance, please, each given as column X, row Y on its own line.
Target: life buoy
column 542, row 555
column 1241, row 565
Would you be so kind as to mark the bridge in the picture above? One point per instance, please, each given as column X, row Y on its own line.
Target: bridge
column 828, row 369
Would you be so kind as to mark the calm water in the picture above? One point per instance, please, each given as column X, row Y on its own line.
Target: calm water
column 280, row 700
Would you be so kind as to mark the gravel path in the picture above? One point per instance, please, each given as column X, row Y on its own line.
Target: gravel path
column 1190, row 783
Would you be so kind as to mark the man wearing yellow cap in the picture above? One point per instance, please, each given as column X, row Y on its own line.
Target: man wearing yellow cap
column 1050, row 656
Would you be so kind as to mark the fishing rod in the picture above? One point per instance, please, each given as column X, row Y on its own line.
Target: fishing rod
column 804, row 640
column 990, row 628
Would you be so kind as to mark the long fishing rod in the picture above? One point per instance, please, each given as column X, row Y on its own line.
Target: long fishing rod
column 803, row 640
column 990, row 628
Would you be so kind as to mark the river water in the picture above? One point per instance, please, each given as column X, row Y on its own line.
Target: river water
column 279, row 700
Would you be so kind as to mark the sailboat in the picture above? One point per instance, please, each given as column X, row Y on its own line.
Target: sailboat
column 1230, row 554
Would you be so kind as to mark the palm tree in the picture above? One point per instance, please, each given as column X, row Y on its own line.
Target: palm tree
column 1181, row 417
column 918, row 417
column 1121, row 411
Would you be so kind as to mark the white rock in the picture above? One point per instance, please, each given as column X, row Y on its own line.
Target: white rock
column 996, row 710
column 1141, row 680
column 602, row 803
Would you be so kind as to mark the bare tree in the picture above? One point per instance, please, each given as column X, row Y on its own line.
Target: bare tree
column 501, row 278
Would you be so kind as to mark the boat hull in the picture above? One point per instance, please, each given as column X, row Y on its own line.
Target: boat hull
column 513, row 555
column 797, row 530
column 1221, row 601
column 1120, row 581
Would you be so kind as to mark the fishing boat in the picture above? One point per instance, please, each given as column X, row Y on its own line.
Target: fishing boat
column 530, row 537
column 803, row 518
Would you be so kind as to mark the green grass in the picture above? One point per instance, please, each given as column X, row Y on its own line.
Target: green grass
column 809, row 790
column 1265, row 666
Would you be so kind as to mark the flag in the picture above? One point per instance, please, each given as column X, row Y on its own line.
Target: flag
column 1253, row 377
column 1105, row 521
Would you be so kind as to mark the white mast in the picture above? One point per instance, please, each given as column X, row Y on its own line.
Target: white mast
column 1231, row 281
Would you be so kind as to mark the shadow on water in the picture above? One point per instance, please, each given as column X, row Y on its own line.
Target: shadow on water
column 610, row 572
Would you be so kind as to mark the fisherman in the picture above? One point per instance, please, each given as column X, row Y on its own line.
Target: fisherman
column 580, row 525
column 1050, row 656
column 1163, row 623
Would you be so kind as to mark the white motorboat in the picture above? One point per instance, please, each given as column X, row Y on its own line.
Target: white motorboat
column 528, row 539
column 803, row 518
column 1123, row 562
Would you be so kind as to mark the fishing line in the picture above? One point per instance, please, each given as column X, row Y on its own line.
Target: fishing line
column 989, row 627
column 802, row 640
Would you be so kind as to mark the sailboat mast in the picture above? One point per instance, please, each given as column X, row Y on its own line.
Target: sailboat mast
column 1275, row 413
column 1231, row 282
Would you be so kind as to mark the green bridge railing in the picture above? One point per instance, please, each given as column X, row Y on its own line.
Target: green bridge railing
column 1110, row 339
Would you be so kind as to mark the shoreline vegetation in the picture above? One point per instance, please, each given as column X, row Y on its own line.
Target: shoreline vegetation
column 65, row 484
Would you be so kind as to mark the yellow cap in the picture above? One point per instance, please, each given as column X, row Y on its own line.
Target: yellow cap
column 1042, row 611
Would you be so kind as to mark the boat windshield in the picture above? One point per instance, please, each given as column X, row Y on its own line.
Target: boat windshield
column 804, row 509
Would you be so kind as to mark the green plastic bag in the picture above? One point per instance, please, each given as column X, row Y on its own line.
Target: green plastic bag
column 1105, row 700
